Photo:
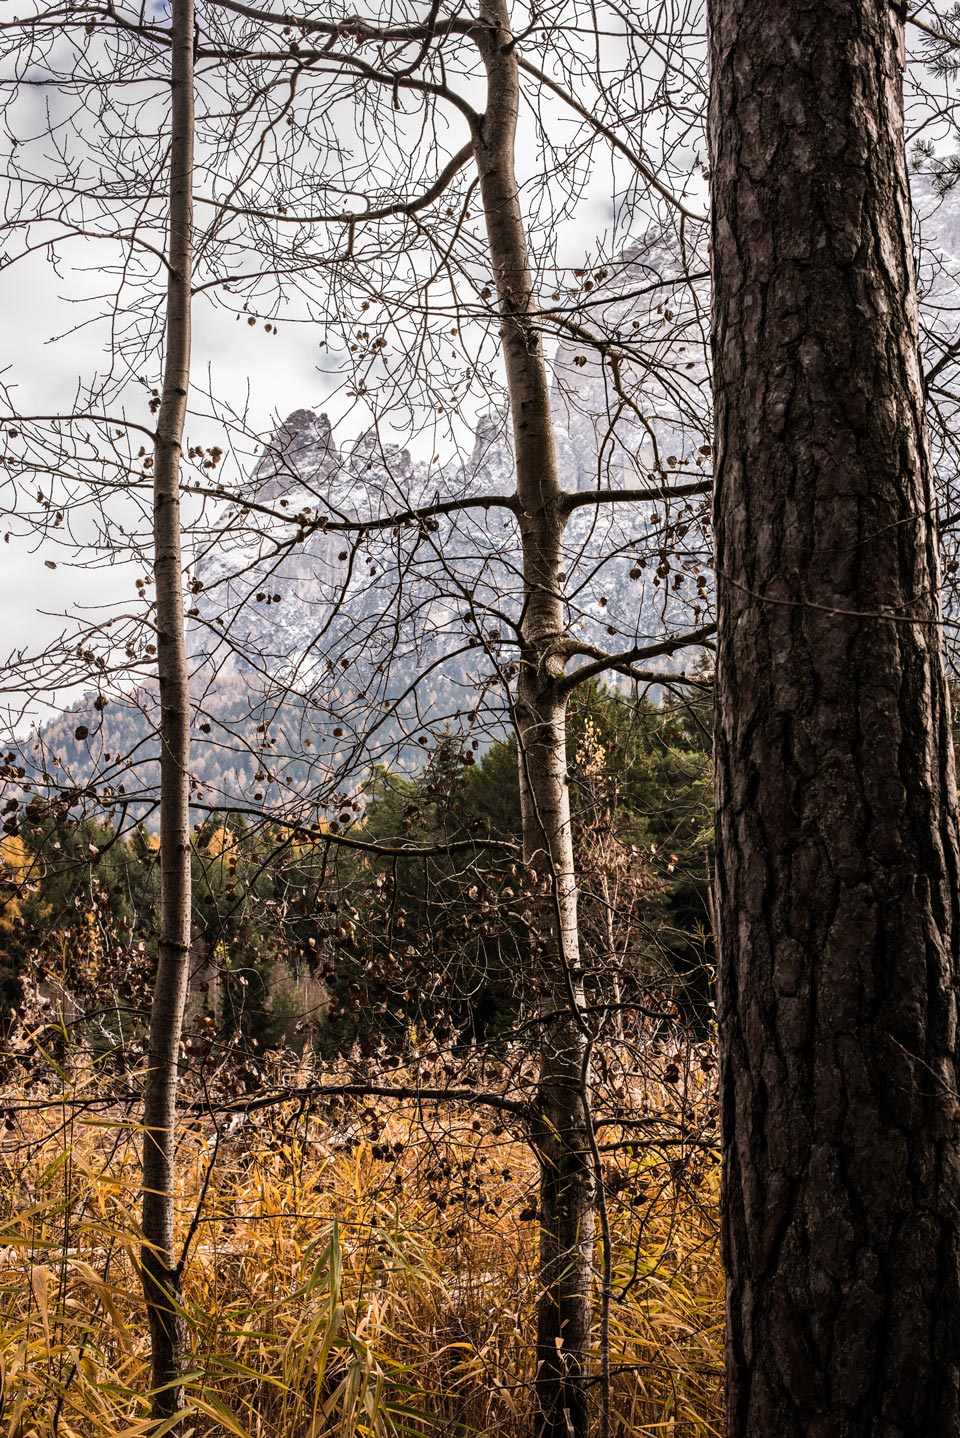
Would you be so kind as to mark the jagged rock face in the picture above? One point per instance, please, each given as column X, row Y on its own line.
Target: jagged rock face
column 936, row 215
column 292, row 642
column 937, row 223
column 399, row 612
column 653, row 425
column 656, row 307
column 303, row 446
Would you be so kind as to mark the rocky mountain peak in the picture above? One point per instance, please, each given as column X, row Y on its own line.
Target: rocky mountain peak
column 302, row 445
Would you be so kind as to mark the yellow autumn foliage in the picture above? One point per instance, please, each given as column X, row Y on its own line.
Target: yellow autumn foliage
column 14, row 867
column 354, row 1277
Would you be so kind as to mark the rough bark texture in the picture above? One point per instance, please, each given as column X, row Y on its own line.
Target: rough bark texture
column 161, row 1276
column 836, row 831
column 567, row 1212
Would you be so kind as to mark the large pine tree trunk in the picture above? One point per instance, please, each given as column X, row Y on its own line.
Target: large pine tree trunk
column 836, row 830
column 161, row 1277
column 567, row 1214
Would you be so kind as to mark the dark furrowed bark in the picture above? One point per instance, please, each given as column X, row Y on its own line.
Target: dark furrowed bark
column 836, row 802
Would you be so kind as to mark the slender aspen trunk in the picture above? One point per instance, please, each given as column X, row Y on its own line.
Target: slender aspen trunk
column 613, row 958
column 567, row 1215
column 160, row 1273
column 837, row 862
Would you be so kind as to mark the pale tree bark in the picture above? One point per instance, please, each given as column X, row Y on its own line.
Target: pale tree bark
column 567, row 1208
column 837, row 864
column 160, row 1272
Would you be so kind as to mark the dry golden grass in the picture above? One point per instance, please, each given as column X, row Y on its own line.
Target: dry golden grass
column 369, row 1276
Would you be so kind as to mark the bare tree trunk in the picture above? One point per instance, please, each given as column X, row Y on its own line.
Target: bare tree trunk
column 567, row 1216
column 613, row 958
column 160, row 1272
column 837, row 864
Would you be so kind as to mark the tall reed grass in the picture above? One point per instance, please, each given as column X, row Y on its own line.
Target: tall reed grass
column 370, row 1272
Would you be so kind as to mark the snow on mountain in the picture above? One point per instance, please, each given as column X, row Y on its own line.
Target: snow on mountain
column 317, row 651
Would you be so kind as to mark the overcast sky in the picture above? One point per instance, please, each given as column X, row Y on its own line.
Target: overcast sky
column 263, row 375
